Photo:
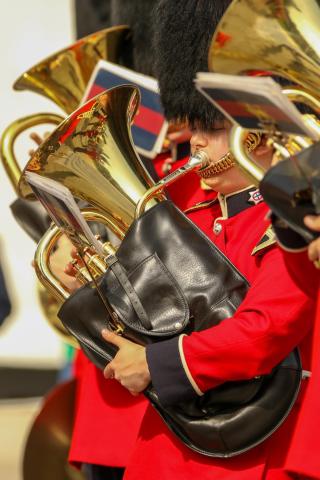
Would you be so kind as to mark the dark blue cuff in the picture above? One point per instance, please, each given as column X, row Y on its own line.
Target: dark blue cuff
column 287, row 237
column 168, row 376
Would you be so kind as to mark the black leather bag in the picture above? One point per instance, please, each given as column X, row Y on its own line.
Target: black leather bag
column 31, row 216
column 168, row 278
column 292, row 189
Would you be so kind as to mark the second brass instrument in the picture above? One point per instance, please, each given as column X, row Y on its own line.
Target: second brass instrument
column 62, row 78
column 284, row 41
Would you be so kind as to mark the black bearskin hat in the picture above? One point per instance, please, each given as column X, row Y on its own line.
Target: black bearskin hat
column 138, row 14
column 183, row 31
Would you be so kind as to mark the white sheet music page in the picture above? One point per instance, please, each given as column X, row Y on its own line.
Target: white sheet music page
column 64, row 211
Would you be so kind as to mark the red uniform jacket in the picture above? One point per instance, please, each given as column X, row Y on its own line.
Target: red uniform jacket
column 274, row 317
column 107, row 419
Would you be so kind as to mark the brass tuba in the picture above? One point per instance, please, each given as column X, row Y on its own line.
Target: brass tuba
column 92, row 154
column 61, row 77
column 282, row 38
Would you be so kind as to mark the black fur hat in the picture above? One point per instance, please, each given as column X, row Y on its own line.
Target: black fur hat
column 138, row 14
column 183, row 31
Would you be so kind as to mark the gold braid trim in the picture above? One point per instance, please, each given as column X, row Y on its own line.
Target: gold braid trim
column 267, row 240
column 228, row 161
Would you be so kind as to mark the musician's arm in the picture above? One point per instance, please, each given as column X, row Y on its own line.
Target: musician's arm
column 274, row 318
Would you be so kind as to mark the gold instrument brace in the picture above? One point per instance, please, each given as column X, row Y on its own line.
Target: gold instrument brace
column 196, row 162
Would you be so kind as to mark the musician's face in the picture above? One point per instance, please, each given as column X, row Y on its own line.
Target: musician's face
column 215, row 144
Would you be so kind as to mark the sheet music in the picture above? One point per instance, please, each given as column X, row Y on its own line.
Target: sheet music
column 254, row 103
column 64, row 211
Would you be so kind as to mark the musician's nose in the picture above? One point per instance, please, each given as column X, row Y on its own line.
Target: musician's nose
column 198, row 141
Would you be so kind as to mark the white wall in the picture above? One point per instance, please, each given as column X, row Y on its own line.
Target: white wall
column 30, row 30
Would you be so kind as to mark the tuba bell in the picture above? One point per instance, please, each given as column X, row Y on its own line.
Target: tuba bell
column 283, row 39
column 63, row 76
column 92, row 154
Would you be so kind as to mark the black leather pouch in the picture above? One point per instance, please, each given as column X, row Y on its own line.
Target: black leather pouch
column 168, row 278
column 292, row 190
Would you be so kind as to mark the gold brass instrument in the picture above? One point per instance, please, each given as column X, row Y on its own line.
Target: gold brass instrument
column 283, row 39
column 63, row 78
column 92, row 154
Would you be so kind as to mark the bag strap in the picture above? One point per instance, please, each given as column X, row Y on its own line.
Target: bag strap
column 122, row 277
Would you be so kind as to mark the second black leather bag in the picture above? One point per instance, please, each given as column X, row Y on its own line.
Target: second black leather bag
column 291, row 188
column 168, row 278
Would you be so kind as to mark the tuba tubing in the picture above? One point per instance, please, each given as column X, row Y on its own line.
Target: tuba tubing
column 48, row 243
column 9, row 137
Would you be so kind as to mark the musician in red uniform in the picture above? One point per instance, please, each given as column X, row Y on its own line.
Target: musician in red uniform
column 107, row 417
column 275, row 316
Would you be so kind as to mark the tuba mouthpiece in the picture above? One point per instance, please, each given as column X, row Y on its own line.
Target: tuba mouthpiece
column 199, row 160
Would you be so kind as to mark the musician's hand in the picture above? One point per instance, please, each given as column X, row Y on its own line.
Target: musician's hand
column 313, row 222
column 70, row 269
column 129, row 366
column 59, row 264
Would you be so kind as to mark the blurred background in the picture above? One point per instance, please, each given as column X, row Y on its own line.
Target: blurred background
column 32, row 356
